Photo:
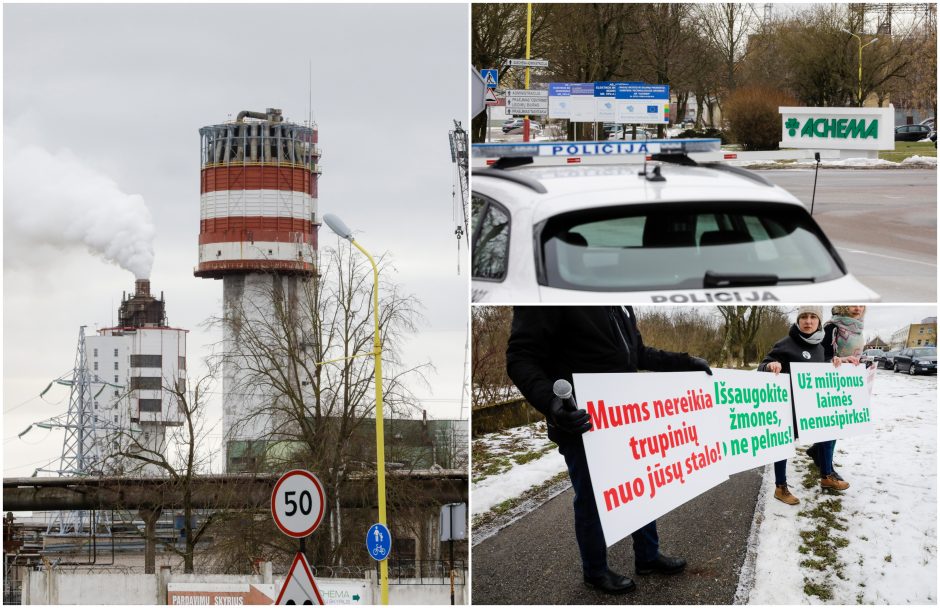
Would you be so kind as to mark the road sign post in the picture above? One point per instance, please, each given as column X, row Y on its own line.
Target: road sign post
column 379, row 542
column 490, row 77
column 521, row 101
column 299, row 588
column 297, row 507
column 529, row 63
column 453, row 527
column 297, row 503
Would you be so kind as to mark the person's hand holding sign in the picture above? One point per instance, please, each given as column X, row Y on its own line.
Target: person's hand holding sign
column 697, row 364
column 836, row 361
column 774, row 366
column 571, row 421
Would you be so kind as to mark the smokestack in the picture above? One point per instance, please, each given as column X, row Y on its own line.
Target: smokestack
column 142, row 310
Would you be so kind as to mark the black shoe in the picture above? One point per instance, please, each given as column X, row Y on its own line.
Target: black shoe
column 661, row 565
column 610, row 582
column 836, row 475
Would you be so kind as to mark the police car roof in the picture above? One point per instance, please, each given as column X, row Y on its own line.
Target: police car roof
column 584, row 186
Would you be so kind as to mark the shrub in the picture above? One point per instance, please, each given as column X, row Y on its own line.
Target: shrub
column 753, row 115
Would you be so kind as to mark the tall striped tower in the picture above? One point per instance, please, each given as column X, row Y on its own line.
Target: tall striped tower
column 258, row 232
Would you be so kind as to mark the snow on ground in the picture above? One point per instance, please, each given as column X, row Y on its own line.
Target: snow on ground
column 875, row 543
column 854, row 163
column 509, row 462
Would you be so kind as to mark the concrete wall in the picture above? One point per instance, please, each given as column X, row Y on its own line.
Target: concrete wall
column 505, row 415
column 69, row 588
column 424, row 594
column 142, row 589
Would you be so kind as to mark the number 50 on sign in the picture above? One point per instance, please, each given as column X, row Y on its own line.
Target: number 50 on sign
column 297, row 503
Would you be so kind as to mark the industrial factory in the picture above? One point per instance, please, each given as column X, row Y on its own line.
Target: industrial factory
column 140, row 366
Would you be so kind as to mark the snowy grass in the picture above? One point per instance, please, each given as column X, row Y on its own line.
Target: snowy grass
column 875, row 543
column 508, row 463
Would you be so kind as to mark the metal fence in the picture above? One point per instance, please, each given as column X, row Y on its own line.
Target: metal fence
column 402, row 571
column 418, row 571
column 12, row 591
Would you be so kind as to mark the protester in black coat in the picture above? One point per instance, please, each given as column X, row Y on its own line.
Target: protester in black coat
column 803, row 344
column 548, row 343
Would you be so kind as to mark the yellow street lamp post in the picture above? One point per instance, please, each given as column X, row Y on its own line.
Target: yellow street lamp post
column 339, row 227
column 860, row 47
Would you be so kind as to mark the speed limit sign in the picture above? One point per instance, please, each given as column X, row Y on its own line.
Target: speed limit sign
column 297, row 503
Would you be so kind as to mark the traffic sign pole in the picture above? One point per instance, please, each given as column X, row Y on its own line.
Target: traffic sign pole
column 297, row 505
column 528, row 55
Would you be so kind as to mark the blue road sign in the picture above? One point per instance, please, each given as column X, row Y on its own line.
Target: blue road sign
column 379, row 542
column 490, row 77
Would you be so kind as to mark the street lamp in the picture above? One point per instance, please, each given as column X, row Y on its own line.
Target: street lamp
column 860, row 47
column 342, row 230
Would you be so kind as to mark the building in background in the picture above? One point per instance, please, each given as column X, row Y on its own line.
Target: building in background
column 138, row 369
column 916, row 334
column 258, row 234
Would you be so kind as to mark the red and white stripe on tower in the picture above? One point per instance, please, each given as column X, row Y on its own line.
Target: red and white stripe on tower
column 258, row 201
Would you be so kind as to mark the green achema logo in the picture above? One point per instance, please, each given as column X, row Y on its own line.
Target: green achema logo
column 839, row 128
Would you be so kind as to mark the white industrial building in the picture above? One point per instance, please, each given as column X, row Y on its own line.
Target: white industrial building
column 137, row 369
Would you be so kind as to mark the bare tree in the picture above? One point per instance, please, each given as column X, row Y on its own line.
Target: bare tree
column 587, row 43
column 692, row 330
column 664, row 50
column 179, row 457
column 726, row 27
column 304, row 359
column 489, row 382
column 742, row 324
column 498, row 35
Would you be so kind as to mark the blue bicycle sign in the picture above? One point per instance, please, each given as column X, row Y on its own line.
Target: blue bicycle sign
column 379, row 542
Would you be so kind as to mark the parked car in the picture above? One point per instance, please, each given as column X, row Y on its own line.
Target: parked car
column 873, row 355
column 641, row 134
column 929, row 122
column 515, row 125
column 911, row 132
column 917, row 360
column 888, row 362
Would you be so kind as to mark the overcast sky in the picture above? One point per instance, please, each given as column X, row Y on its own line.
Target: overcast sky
column 102, row 107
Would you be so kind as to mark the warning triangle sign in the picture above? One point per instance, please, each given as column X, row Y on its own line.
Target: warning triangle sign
column 299, row 587
column 490, row 97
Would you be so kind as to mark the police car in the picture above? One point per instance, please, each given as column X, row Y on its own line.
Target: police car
column 577, row 222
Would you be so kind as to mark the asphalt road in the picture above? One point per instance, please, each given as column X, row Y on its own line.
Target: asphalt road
column 882, row 221
column 536, row 561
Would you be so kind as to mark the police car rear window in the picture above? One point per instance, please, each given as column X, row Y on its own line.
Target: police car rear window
column 683, row 246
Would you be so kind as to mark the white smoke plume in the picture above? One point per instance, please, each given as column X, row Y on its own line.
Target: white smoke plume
column 56, row 199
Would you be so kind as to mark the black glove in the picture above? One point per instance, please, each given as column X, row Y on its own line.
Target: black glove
column 697, row 364
column 570, row 421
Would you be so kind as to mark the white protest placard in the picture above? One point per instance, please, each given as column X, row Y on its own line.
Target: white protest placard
column 756, row 412
column 830, row 402
column 655, row 444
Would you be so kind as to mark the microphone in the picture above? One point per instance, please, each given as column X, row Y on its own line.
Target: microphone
column 562, row 390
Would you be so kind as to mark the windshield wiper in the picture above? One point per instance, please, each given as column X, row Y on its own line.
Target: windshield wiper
column 714, row 279
column 717, row 279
